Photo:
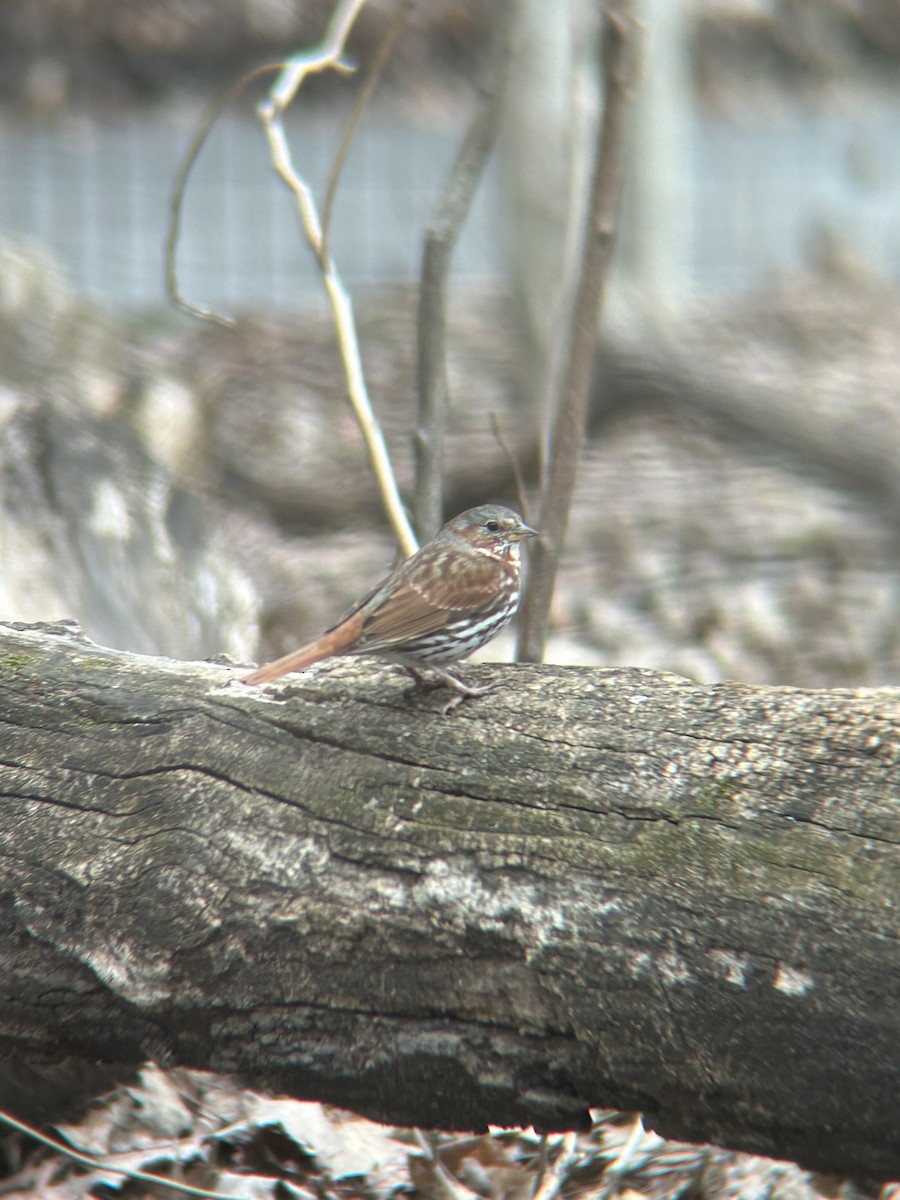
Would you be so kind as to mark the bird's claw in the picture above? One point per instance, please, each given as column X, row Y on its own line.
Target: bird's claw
column 463, row 691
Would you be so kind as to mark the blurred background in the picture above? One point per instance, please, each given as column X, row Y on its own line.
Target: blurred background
column 781, row 116
column 185, row 489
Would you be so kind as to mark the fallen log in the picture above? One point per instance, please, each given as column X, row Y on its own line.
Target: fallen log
column 591, row 887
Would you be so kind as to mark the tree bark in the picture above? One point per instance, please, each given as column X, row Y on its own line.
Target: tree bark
column 589, row 888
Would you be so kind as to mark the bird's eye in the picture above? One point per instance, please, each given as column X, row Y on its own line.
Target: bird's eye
column 492, row 526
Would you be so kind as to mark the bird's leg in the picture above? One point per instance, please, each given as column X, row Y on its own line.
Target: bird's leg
column 464, row 691
column 417, row 676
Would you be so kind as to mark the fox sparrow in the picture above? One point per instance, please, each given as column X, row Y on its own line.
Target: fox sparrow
column 439, row 606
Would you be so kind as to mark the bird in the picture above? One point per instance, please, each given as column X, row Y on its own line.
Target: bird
column 439, row 606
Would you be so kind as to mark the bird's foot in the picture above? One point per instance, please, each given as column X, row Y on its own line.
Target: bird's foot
column 464, row 691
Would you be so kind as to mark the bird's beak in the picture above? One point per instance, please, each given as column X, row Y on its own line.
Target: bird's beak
column 525, row 531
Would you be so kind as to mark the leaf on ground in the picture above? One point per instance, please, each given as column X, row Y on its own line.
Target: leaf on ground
column 344, row 1144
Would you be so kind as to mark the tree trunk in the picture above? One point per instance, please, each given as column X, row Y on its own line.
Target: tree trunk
column 589, row 888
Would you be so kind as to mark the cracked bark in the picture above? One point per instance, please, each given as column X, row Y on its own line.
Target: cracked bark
column 591, row 888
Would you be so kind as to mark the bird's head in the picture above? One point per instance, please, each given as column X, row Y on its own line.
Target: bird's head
column 490, row 528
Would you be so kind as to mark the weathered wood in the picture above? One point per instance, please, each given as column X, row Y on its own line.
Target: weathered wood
column 590, row 888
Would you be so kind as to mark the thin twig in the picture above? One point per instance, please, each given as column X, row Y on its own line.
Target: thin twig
column 360, row 104
column 440, row 240
column 291, row 75
column 568, row 433
column 328, row 55
column 98, row 1164
column 518, row 477
column 176, row 201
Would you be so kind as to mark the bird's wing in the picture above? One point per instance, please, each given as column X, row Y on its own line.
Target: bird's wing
column 429, row 595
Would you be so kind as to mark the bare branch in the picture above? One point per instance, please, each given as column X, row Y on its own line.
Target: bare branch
column 359, row 106
column 440, row 241
column 176, row 201
column 328, row 56
column 569, row 426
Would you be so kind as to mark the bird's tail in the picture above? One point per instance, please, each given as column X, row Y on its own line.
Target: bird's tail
column 334, row 641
